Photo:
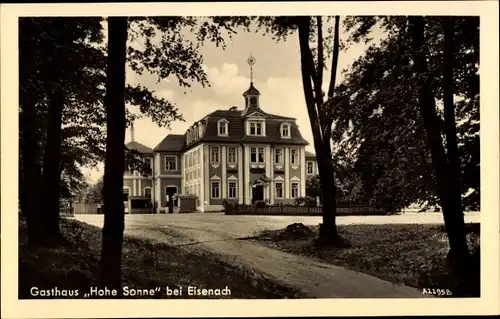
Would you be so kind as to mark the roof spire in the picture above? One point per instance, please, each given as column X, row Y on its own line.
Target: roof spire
column 251, row 62
column 132, row 133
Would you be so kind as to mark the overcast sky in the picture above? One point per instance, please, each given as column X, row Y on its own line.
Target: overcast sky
column 276, row 75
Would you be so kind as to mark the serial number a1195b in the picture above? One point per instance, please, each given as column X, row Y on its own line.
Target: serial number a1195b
column 437, row 292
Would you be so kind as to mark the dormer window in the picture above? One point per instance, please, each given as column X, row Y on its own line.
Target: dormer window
column 200, row 129
column 195, row 132
column 285, row 130
column 222, row 128
column 189, row 136
column 256, row 128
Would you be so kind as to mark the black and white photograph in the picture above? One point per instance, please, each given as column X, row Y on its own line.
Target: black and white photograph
column 306, row 155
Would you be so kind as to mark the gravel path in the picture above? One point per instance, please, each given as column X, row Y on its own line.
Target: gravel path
column 224, row 237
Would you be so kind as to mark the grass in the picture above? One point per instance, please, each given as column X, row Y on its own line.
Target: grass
column 146, row 264
column 414, row 255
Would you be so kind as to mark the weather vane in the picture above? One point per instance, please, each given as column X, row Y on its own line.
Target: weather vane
column 251, row 62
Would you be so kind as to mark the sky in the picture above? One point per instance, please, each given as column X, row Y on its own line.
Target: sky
column 276, row 75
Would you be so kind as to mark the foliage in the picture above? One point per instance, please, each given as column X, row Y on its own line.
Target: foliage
column 378, row 129
column 94, row 192
column 305, row 201
column 73, row 48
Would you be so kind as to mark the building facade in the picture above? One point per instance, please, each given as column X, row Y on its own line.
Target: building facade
column 235, row 155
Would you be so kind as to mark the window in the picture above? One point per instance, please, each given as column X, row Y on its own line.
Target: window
column 232, row 190
column 279, row 190
column 285, row 130
column 215, row 189
column 255, row 128
column 170, row 163
column 222, row 127
column 295, row 190
column 147, row 192
column 310, row 167
column 231, row 155
column 261, row 155
column 186, row 190
column 253, row 101
column 126, row 192
column 294, row 156
column 257, row 155
column 147, row 163
column 278, row 156
column 214, row 155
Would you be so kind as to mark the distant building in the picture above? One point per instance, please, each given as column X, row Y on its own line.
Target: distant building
column 239, row 155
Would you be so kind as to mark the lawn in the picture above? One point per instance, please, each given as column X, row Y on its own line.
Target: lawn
column 413, row 255
column 146, row 264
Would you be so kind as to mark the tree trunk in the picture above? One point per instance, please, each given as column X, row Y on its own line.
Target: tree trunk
column 52, row 168
column 449, row 113
column 31, row 175
column 112, row 233
column 326, row 128
column 28, row 142
column 328, row 230
column 450, row 202
column 461, row 256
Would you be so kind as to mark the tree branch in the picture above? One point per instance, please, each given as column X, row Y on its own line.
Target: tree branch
column 320, row 52
column 335, row 58
column 307, row 67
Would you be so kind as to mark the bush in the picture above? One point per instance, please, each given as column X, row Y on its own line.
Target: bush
column 260, row 204
column 305, row 201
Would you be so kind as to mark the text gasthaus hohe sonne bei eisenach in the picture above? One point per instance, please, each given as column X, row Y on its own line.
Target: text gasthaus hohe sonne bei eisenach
column 164, row 291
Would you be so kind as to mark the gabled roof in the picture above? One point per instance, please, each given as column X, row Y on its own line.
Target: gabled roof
column 141, row 148
column 171, row 143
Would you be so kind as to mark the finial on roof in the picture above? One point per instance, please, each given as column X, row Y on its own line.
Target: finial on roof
column 251, row 62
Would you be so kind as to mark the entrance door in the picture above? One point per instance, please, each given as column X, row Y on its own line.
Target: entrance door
column 170, row 191
column 257, row 193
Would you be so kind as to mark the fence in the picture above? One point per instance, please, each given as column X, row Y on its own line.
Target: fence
column 80, row 208
column 296, row 210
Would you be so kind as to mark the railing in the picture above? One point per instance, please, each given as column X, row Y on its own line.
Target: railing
column 296, row 210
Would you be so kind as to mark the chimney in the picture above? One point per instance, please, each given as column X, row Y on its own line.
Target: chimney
column 132, row 133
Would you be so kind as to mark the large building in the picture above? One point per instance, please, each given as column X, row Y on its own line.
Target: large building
column 241, row 155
